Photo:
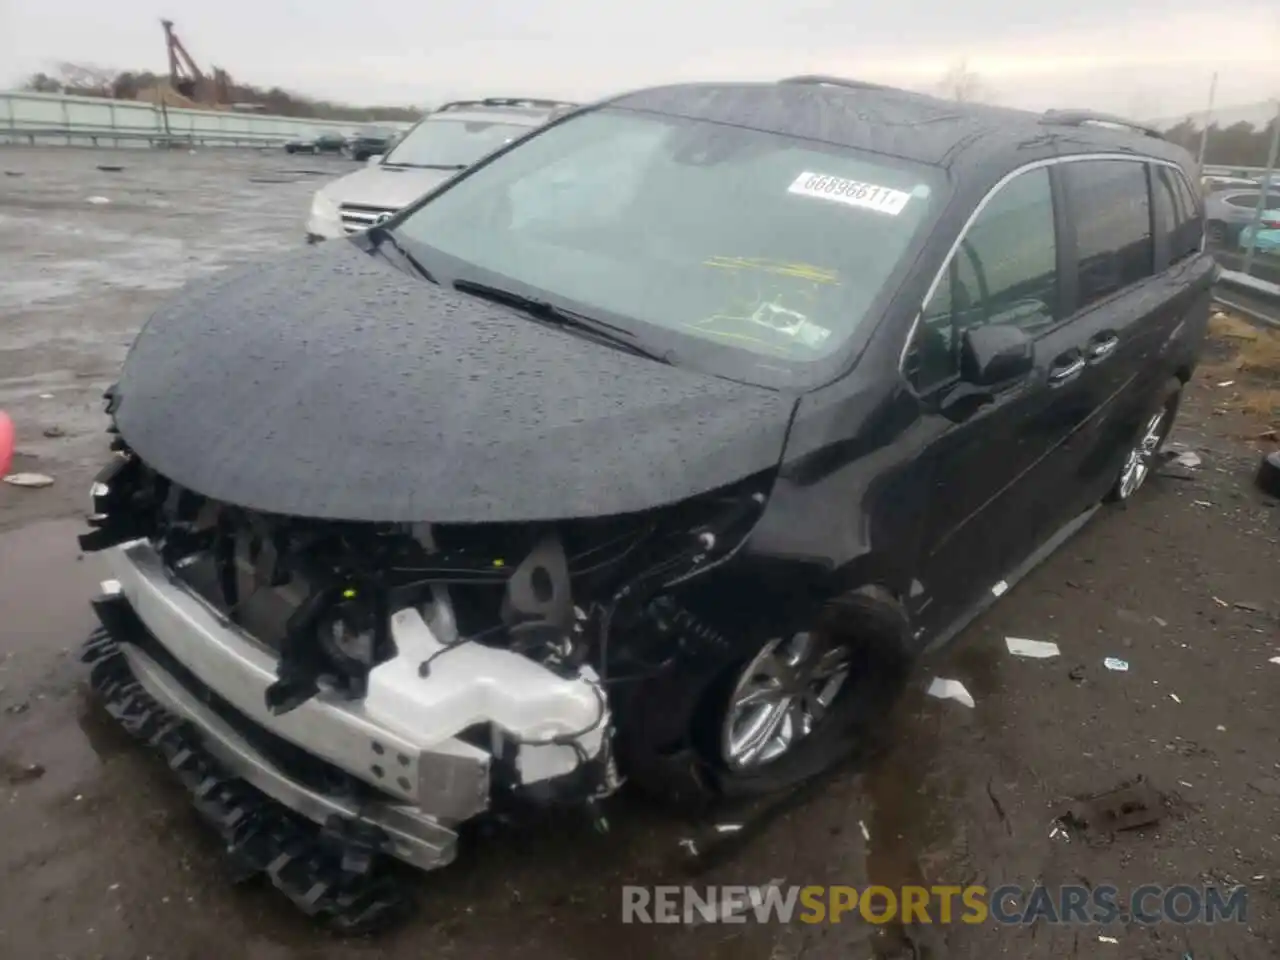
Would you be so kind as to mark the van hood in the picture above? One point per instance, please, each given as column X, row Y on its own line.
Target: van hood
column 383, row 186
column 329, row 384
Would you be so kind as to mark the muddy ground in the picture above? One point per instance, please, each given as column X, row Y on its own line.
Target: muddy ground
column 101, row 856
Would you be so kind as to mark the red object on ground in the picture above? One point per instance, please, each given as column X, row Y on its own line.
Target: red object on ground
column 6, row 442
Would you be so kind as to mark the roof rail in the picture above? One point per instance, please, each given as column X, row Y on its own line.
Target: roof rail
column 818, row 79
column 1077, row 118
column 504, row 102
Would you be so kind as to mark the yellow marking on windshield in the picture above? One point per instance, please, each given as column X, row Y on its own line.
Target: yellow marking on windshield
column 782, row 268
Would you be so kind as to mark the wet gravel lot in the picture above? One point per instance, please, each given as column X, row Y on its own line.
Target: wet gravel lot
column 101, row 855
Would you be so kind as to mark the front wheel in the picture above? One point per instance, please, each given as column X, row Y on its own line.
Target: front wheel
column 1141, row 458
column 807, row 700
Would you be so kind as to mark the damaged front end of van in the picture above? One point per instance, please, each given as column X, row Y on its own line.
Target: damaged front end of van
column 349, row 636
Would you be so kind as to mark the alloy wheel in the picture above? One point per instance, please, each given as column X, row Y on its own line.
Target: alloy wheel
column 1137, row 465
column 780, row 696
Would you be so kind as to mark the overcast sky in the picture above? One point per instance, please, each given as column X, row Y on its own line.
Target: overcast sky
column 1145, row 58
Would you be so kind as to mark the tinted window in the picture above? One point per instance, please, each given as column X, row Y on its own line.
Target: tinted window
column 756, row 253
column 1004, row 271
column 1109, row 203
column 1177, row 216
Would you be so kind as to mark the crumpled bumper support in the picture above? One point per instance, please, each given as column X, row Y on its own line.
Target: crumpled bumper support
column 335, row 872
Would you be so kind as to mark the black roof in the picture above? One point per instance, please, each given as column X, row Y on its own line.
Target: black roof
column 896, row 122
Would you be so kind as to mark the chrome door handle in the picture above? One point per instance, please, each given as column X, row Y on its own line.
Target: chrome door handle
column 1067, row 372
column 1100, row 349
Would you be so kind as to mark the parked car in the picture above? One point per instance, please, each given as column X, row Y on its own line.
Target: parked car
column 444, row 142
column 369, row 142
column 326, row 141
column 1268, row 235
column 656, row 445
column 1230, row 211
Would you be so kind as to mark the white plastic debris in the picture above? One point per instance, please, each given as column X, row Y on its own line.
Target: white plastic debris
column 1275, row 660
column 99, row 200
column 1188, row 458
column 1174, row 698
column 1035, row 649
column 1201, row 503
column 1226, row 383
column 728, row 827
column 1115, row 663
column 999, row 589
column 690, row 846
column 46, row 396
column 1220, row 728
column 866, row 834
column 950, row 690
column 1105, row 939
column 29, row 480
column 1185, row 784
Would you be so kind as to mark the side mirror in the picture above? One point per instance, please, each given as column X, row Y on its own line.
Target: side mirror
column 992, row 355
column 373, row 160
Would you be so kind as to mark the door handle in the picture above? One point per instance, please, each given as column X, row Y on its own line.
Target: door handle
column 1101, row 348
column 1065, row 373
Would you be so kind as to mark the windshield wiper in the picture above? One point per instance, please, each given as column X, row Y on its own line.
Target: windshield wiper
column 379, row 234
column 548, row 312
column 425, row 166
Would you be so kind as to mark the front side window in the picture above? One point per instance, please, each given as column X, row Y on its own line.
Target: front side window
column 1003, row 271
column 746, row 253
column 442, row 143
column 1109, row 202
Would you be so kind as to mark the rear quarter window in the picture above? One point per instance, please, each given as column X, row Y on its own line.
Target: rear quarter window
column 1177, row 215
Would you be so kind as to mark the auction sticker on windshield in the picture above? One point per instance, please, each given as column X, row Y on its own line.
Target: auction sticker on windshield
column 855, row 193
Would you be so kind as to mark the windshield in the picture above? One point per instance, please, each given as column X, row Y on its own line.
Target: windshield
column 759, row 253
column 452, row 143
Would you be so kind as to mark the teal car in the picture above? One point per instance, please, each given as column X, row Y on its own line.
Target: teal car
column 1268, row 239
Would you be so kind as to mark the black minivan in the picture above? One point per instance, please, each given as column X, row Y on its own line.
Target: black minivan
column 654, row 447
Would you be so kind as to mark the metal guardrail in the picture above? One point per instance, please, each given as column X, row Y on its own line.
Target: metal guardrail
column 59, row 119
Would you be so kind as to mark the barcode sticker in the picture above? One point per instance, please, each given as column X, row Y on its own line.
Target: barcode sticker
column 854, row 193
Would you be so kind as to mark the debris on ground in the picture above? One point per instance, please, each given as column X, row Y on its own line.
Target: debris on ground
column 99, row 200
column 866, row 834
column 1160, row 622
column 1115, row 663
column 728, row 827
column 689, row 845
column 1250, row 606
column 1076, row 673
column 1105, row 939
column 53, row 433
column 1188, row 458
column 1275, row 660
column 29, row 480
column 1174, row 698
column 46, row 396
column 999, row 589
column 1226, row 383
column 110, row 168
column 1201, row 503
column 14, row 774
column 1268, row 478
column 1220, row 602
column 1130, row 806
column 950, row 690
column 1034, row 649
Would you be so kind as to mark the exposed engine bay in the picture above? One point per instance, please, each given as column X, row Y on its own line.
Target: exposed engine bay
column 432, row 672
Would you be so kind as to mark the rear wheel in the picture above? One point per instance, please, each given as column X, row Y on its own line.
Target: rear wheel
column 1141, row 458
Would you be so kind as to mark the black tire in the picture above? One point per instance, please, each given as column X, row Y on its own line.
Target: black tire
column 871, row 625
column 1166, row 403
column 1268, row 478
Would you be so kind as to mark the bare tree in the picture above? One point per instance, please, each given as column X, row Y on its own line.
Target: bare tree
column 962, row 84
